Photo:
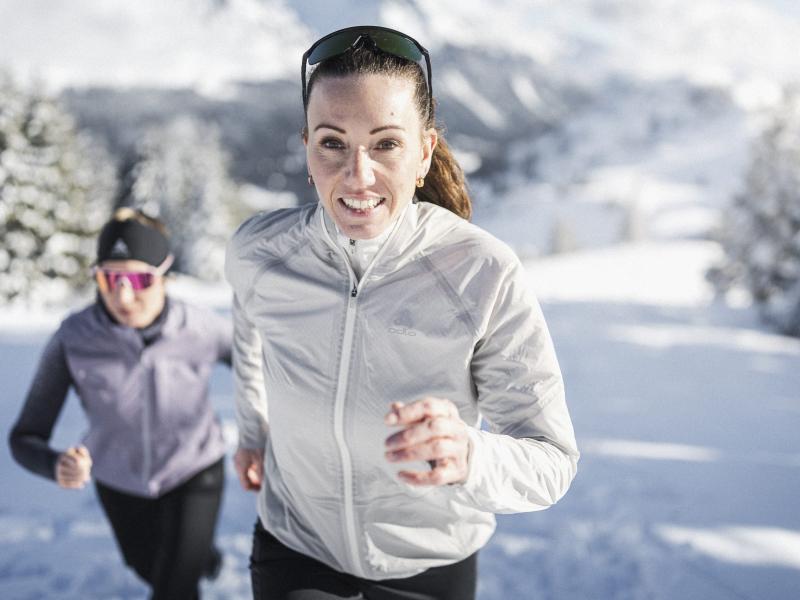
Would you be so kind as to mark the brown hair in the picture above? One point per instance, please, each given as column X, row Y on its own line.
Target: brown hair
column 126, row 213
column 444, row 184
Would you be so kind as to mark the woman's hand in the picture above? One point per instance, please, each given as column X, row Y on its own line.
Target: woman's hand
column 249, row 465
column 73, row 468
column 433, row 432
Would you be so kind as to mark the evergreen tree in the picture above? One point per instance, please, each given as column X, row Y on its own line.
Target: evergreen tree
column 760, row 233
column 56, row 190
column 180, row 174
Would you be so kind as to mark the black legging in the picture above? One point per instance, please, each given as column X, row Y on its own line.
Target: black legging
column 168, row 540
column 280, row 573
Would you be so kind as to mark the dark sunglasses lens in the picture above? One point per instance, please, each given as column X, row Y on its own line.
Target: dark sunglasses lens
column 397, row 45
column 333, row 46
column 392, row 43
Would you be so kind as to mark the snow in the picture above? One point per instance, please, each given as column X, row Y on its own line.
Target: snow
column 743, row 545
column 168, row 44
column 743, row 43
column 648, row 273
column 464, row 92
column 686, row 412
column 649, row 450
column 686, row 409
column 711, row 42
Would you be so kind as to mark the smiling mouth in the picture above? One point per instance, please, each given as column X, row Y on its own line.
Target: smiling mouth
column 362, row 207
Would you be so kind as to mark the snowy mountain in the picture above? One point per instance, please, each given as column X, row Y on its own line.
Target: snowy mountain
column 568, row 108
column 608, row 132
column 201, row 44
column 738, row 43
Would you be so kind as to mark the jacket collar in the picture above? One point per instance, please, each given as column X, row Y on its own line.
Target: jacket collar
column 165, row 323
column 400, row 235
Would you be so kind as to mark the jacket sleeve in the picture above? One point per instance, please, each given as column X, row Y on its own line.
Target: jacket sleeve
column 223, row 329
column 251, row 396
column 29, row 438
column 528, row 458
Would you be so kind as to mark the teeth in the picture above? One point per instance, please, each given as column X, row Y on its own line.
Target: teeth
column 361, row 204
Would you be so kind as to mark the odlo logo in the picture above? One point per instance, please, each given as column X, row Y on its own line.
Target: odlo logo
column 402, row 324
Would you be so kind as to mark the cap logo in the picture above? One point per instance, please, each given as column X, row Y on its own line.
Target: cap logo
column 120, row 249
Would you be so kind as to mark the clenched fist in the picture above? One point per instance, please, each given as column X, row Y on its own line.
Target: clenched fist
column 73, row 468
column 432, row 431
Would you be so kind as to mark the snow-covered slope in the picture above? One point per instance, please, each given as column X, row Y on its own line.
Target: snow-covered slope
column 593, row 100
column 739, row 43
column 553, row 105
column 686, row 411
column 686, row 414
column 204, row 44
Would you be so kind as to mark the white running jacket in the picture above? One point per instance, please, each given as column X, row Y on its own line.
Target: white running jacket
column 443, row 309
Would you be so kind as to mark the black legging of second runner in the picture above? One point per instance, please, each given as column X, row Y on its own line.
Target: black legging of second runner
column 168, row 540
column 280, row 573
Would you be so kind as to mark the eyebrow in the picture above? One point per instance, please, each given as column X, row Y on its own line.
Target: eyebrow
column 374, row 131
column 385, row 127
column 328, row 126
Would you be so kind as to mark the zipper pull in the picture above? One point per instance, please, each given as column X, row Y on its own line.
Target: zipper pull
column 354, row 291
column 352, row 246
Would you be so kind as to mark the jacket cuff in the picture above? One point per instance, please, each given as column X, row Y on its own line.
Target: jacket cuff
column 253, row 438
column 467, row 489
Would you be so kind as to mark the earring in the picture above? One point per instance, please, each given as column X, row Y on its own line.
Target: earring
column 420, row 182
column 310, row 179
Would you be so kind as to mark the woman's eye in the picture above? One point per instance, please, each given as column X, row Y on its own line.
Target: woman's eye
column 331, row 143
column 388, row 144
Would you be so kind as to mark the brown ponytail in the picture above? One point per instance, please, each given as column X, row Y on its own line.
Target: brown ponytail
column 444, row 184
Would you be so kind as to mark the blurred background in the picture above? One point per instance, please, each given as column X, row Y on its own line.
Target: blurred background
column 641, row 156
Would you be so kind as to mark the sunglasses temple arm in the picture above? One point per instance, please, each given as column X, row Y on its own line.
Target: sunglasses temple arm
column 164, row 266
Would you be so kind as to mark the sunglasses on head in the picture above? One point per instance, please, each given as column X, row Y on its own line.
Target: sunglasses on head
column 109, row 279
column 388, row 40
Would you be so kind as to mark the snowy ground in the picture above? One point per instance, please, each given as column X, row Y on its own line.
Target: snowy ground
column 686, row 413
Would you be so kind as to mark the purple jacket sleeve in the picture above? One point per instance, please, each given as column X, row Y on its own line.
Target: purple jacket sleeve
column 29, row 438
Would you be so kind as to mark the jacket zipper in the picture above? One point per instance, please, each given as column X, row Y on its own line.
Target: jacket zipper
column 338, row 422
column 147, row 450
column 341, row 389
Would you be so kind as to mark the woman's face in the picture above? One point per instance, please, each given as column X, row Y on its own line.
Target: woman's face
column 133, row 308
column 365, row 149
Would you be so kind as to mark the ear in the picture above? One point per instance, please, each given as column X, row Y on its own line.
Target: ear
column 304, row 137
column 430, row 137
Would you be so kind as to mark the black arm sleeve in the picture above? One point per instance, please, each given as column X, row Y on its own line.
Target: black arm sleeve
column 225, row 343
column 30, row 436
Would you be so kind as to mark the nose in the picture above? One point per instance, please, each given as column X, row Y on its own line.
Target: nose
column 360, row 173
column 123, row 293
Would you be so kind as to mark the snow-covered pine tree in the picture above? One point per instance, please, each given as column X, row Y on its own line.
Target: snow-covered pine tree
column 56, row 189
column 180, row 174
column 760, row 233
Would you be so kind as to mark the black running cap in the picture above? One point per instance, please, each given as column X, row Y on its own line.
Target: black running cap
column 131, row 240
